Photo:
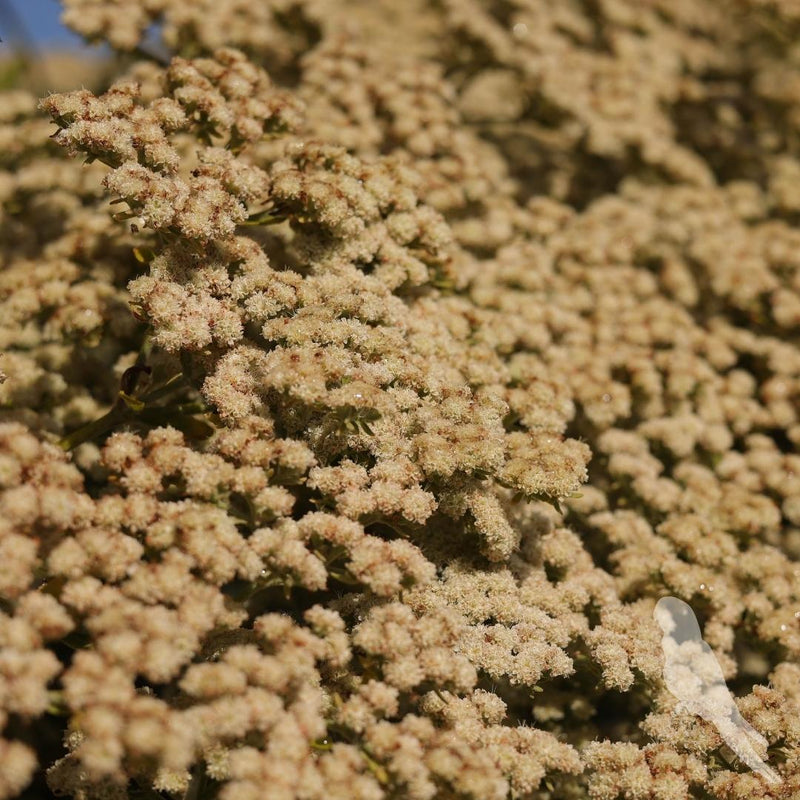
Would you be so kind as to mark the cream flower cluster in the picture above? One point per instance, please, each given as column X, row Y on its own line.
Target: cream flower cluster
column 277, row 423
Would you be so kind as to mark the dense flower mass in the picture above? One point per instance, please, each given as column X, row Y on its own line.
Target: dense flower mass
column 369, row 371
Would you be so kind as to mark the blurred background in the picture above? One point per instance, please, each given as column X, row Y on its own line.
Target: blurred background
column 39, row 53
column 36, row 20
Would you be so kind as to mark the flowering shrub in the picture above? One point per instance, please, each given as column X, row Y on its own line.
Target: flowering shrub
column 370, row 373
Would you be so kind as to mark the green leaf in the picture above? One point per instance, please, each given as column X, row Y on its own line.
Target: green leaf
column 267, row 217
column 133, row 403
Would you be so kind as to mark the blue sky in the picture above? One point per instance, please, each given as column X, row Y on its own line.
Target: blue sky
column 40, row 19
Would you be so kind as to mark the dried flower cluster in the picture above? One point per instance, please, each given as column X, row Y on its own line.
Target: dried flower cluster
column 369, row 371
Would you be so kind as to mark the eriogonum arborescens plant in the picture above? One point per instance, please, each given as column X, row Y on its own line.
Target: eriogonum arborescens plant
column 339, row 341
column 365, row 387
